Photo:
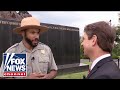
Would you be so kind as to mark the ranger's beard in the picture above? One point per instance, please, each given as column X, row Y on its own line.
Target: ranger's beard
column 30, row 42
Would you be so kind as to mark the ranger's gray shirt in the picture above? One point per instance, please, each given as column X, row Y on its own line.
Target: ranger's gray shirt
column 40, row 59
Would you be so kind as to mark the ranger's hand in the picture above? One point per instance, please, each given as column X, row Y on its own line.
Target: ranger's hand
column 35, row 76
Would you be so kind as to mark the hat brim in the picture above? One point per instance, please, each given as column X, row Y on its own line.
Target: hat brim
column 18, row 30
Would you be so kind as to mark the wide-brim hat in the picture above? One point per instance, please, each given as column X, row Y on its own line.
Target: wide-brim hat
column 30, row 23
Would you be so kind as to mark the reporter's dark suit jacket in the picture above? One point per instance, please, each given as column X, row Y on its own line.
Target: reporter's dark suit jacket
column 105, row 69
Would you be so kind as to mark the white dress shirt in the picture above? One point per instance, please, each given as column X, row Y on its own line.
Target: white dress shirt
column 98, row 59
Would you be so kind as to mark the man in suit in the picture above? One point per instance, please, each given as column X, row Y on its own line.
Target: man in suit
column 98, row 42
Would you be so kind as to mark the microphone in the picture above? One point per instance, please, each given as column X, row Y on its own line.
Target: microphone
column 32, row 59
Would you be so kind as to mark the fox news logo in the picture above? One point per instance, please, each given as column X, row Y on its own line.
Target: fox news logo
column 14, row 65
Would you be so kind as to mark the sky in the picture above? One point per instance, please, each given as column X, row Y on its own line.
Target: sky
column 77, row 19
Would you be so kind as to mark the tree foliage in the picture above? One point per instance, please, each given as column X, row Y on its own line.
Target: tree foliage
column 116, row 50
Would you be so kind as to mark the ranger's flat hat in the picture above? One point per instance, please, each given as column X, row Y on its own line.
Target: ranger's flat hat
column 28, row 23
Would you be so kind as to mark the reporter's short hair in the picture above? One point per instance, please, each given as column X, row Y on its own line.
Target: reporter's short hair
column 106, row 35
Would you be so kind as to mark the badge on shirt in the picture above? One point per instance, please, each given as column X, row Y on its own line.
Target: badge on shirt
column 43, row 51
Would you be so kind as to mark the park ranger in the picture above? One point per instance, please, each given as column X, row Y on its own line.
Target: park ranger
column 40, row 60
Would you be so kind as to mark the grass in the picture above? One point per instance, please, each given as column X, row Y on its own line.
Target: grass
column 78, row 75
column 74, row 75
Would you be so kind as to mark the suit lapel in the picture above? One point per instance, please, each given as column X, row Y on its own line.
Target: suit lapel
column 99, row 64
column 92, row 71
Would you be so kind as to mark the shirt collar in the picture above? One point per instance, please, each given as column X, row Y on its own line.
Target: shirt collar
column 98, row 59
column 23, row 48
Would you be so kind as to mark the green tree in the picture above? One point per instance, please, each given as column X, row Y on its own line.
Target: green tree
column 118, row 34
column 116, row 50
